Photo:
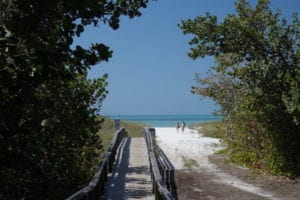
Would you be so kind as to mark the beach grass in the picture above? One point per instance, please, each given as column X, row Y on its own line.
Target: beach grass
column 213, row 129
column 108, row 129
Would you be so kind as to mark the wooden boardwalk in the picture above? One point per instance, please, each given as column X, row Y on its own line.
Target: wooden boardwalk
column 131, row 177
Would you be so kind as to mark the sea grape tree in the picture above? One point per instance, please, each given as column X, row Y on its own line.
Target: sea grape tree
column 256, row 82
column 48, row 107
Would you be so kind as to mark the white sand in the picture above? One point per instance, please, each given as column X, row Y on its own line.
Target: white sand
column 191, row 147
column 187, row 145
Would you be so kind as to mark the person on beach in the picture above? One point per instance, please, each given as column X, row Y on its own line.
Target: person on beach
column 182, row 126
column 177, row 126
column 117, row 123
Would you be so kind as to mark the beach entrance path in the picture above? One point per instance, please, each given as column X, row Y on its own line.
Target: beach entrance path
column 202, row 174
column 130, row 178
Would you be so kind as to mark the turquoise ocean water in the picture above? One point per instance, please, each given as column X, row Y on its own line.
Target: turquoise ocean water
column 166, row 120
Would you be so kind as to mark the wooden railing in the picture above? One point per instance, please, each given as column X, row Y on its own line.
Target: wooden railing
column 162, row 170
column 95, row 189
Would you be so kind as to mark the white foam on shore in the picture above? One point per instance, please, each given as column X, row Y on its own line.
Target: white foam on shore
column 180, row 147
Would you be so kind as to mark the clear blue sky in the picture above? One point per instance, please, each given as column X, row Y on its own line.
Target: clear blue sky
column 150, row 72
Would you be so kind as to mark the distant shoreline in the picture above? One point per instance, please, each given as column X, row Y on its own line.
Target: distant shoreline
column 166, row 120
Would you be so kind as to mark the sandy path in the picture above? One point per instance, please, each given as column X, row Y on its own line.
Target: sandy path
column 190, row 149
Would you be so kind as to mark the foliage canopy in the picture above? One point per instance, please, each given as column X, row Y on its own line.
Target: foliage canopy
column 48, row 107
column 256, row 82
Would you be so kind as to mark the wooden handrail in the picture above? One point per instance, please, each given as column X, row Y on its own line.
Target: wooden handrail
column 95, row 189
column 162, row 170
